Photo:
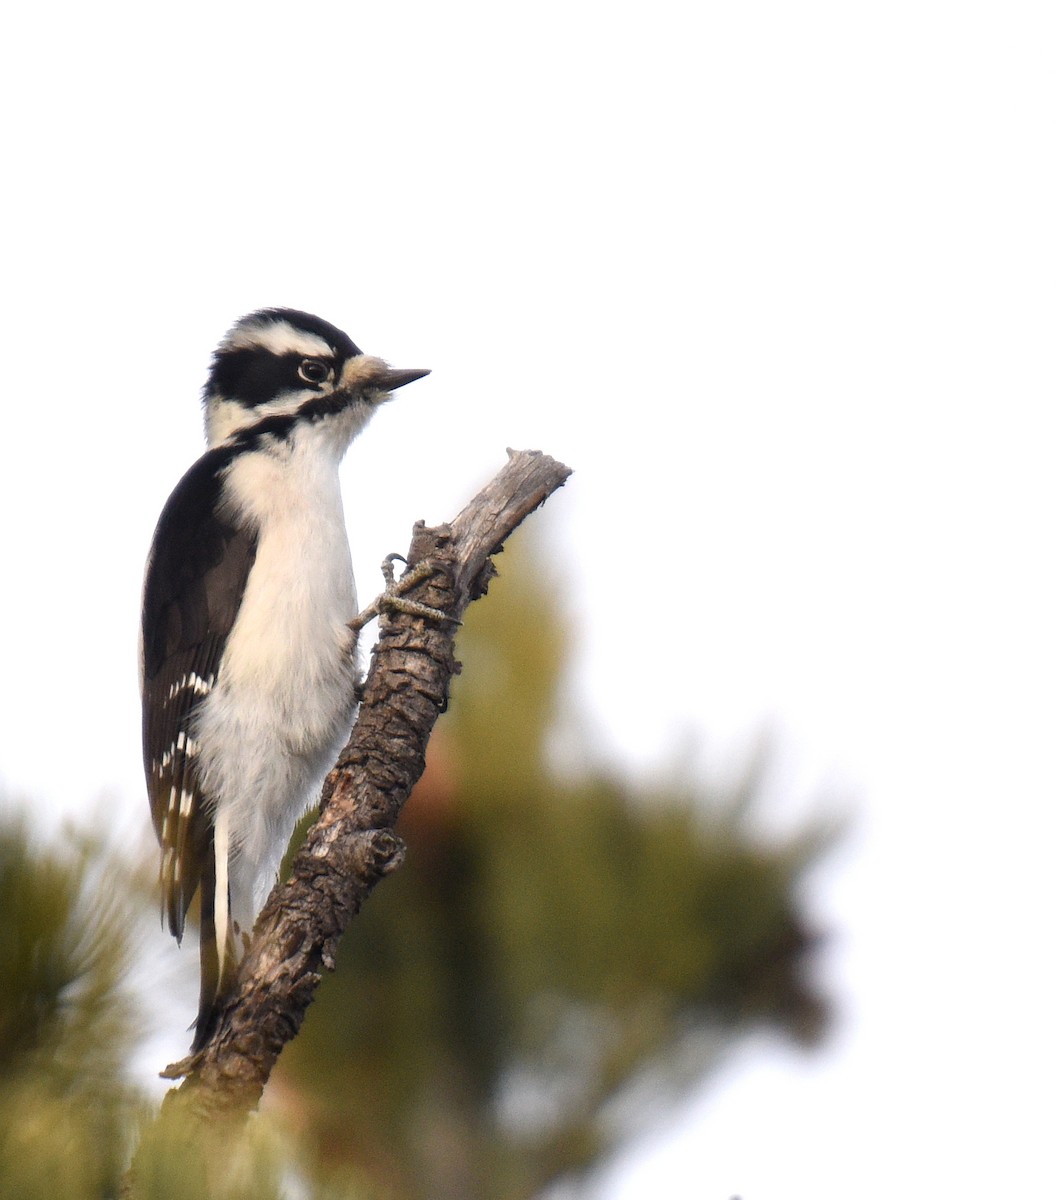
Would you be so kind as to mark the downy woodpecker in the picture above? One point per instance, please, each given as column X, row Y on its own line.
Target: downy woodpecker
column 248, row 660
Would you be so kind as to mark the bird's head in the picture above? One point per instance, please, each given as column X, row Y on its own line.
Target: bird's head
column 280, row 362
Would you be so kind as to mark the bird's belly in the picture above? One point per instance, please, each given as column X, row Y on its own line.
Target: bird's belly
column 283, row 702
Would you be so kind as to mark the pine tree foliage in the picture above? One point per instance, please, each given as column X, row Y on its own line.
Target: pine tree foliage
column 553, row 950
column 65, row 1021
column 72, row 914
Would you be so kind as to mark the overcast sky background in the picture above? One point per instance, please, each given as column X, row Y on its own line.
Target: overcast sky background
column 777, row 281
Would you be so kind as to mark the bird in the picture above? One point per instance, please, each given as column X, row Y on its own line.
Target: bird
column 248, row 633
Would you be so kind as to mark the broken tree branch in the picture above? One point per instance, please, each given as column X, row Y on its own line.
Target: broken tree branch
column 351, row 846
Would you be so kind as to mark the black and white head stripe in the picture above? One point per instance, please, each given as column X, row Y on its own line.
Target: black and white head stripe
column 282, row 362
column 288, row 331
column 261, row 356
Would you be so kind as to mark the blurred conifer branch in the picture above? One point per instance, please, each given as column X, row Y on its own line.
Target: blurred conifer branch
column 351, row 846
column 567, row 949
column 66, row 1019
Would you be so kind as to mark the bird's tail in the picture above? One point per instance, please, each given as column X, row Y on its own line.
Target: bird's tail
column 220, row 946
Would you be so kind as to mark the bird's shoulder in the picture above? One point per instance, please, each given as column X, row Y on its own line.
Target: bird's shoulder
column 202, row 552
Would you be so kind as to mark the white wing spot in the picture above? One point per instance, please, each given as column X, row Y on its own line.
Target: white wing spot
column 186, row 803
column 185, row 745
column 191, row 682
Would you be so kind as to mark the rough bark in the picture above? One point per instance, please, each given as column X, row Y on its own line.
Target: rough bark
column 351, row 846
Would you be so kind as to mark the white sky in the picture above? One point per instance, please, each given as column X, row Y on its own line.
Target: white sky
column 777, row 281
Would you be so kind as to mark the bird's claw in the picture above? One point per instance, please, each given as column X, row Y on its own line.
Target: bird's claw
column 392, row 599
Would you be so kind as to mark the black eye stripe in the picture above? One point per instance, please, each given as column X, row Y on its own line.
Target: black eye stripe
column 256, row 376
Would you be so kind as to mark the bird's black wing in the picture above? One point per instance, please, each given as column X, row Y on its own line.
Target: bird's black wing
column 196, row 576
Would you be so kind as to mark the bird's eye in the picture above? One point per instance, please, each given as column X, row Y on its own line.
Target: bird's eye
column 313, row 370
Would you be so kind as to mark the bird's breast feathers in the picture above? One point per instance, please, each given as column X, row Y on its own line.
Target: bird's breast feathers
column 291, row 627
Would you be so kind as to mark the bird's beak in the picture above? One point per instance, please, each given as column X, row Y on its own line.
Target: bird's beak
column 373, row 379
column 390, row 379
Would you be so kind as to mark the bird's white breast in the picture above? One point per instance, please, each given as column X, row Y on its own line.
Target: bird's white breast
column 283, row 702
column 300, row 594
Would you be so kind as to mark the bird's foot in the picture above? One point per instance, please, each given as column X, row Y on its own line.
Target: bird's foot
column 393, row 598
